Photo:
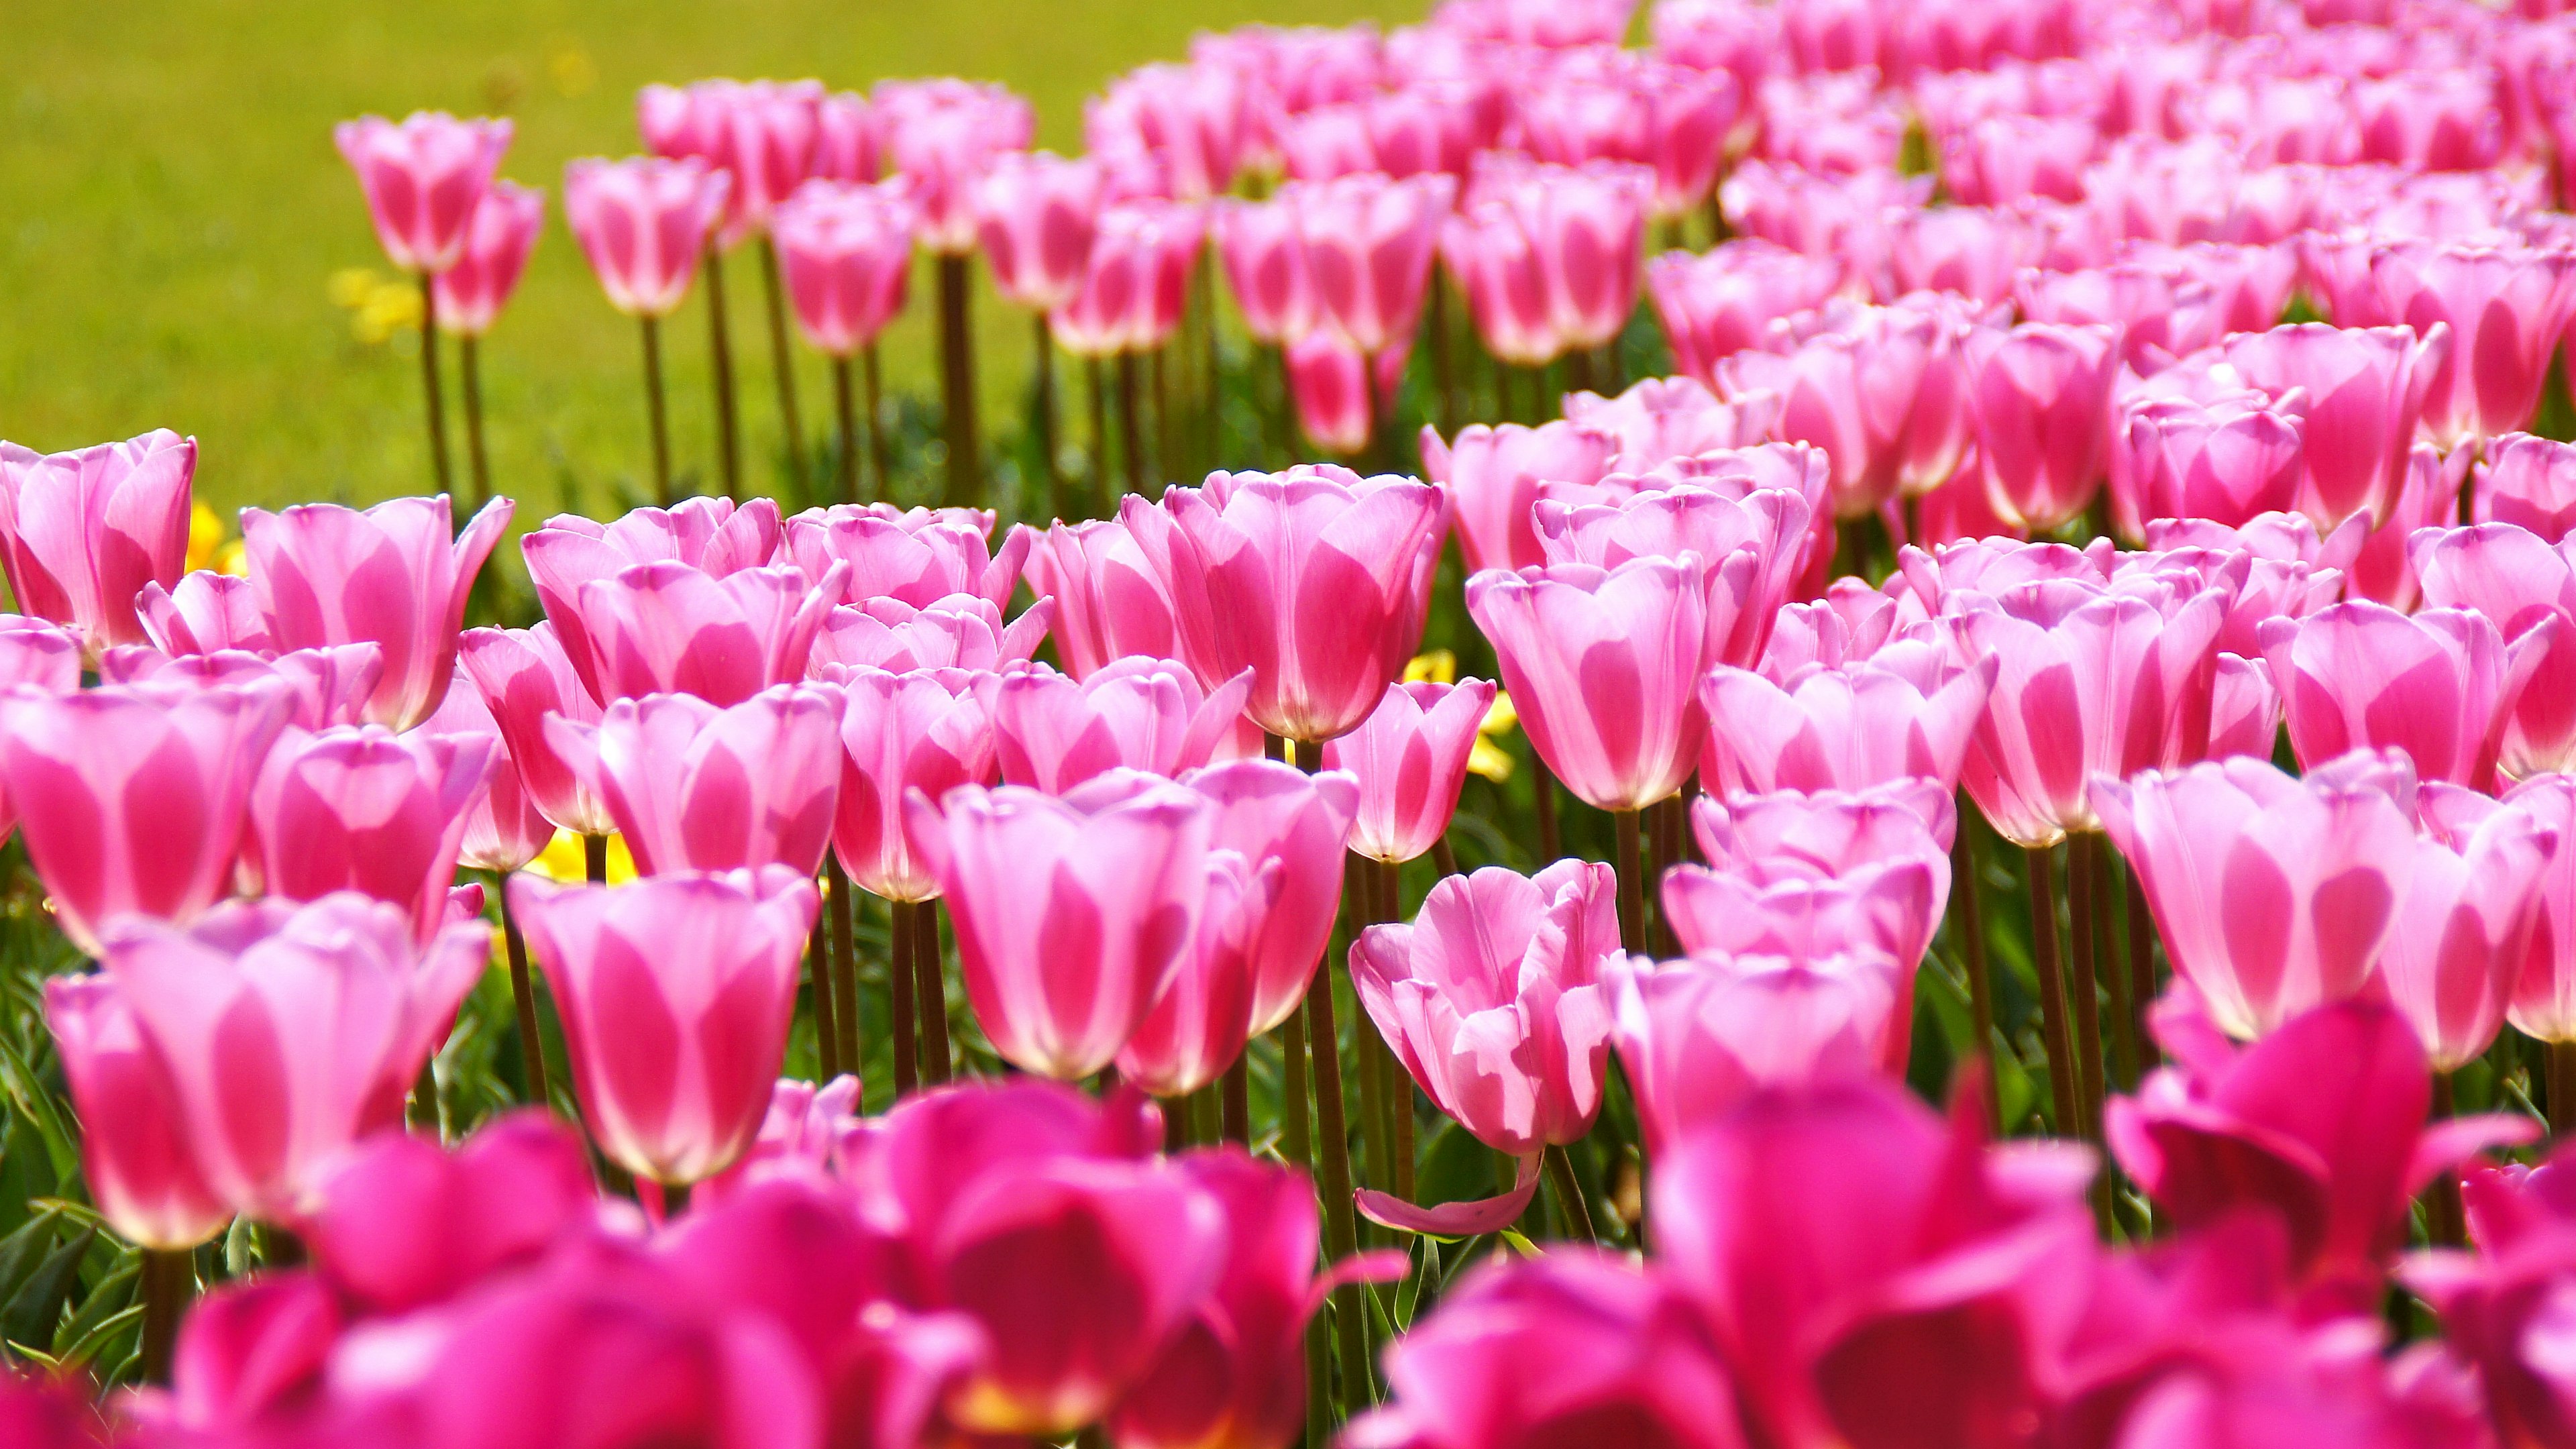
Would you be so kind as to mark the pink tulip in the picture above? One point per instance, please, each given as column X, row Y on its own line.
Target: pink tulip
column 694, row 787
column 1760, row 481
column 711, row 535
column 1330, row 142
column 1492, row 475
column 82, row 532
column 1197, row 1029
column 676, row 994
column 845, row 254
column 957, row 632
column 2042, row 407
column 2365, row 391
column 423, row 177
column 1819, row 214
column 1669, row 420
column 2004, row 159
column 359, row 808
column 2527, row 481
column 497, row 242
column 2321, row 1124
column 2160, row 310
column 1897, row 715
column 2273, row 895
column 1135, row 281
column 504, row 829
column 1272, row 813
column 1875, row 914
column 1339, row 395
column 2505, row 307
column 204, row 612
column 1752, row 546
column 136, row 1155
column 2454, row 963
column 1571, row 237
column 2516, row 581
column 2441, row 686
column 1109, row 603
column 846, row 138
column 1034, row 216
column 801, row 1139
column 403, row 1223
column 1061, row 974
column 1969, row 250
column 1886, row 400
column 1052, row 733
column 1369, row 245
column 2504, row 1310
column 1264, row 255
column 1410, row 759
column 643, row 223
column 1603, row 667
column 524, row 679
column 2427, row 496
column 941, row 135
column 1314, row 579
column 1825, row 834
column 289, row 1032
column 391, row 576
column 2228, row 462
column 2543, row 1005
column 1194, row 121
column 929, row 731
column 324, row 687
column 133, row 801
column 917, row 558
column 669, row 628
column 1715, row 305
column 760, row 134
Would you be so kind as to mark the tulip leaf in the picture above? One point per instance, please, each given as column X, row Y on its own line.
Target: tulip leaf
column 86, row 1348
column 1519, row 1244
column 36, row 1309
column 37, row 1107
column 108, row 1302
column 21, row 1250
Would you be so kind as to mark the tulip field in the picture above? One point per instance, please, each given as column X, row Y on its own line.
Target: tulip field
column 1758, row 724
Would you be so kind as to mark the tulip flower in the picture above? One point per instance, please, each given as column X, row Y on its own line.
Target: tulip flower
column 1034, row 214
column 1264, row 255
column 1135, row 280
column 1968, row 250
column 504, row 230
column 131, row 801
column 1270, row 812
column 359, row 808
column 1885, row 399
column 1493, row 474
column 2042, row 399
column 2505, row 308
column 2454, row 963
column 668, row 628
column 2273, row 895
column 1661, row 420
column 2440, row 686
column 1314, row 579
column 2228, row 462
column 1197, row 1029
column 801, row 1135
column 941, row 135
column 136, row 1156
column 2157, row 306
column 202, row 613
column 325, row 687
column 287, row 1031
column 2543, row 1004
column 390, row 576
column 2427, row 498
column 82, row 532
column 403, row 1222
column 1195, row 122
column 423, row 177
column 643, row 224
column 958, row 632
column 1052, row 733
column 504, row 830
column 1753, row 546
column 694, row 787
column 929, row 731
column 1410, row 759
column 1369, row 244
column 711, row 535
column 1339, row 394
column 2515, row 580
column 676, row 994
column 761, row 134
column 2501, row 1309
column 1826, row 834
column 1061, row 973
column 2365, row 392
column 1890, row 717
column 524, row 678
column 1602, row 665
column 1721, row 302
column 1109, row 601
column 2004, row 159
column 1569, row 239
column 845, row 255
column 2528, row 481
column 917, row 558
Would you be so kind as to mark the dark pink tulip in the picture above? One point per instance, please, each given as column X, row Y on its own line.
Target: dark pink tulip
column 1339, row 394
column 1264, row 255
column 1270, row 812
column 1034, row 214
column 942, row 134
column 1194, row 121
column 136, row 1154
column 2007, row 158
column 2440, row 686
column 2365, row 392
column 2454, row 964
column 918, row 557
column 423, row 178
column 1198, row 1026
column 2042, row 403
column 1570, row 1348
column 2273, row 895
column 1052, row 733
column 1410, row 759
column 1492, row 999
column 2516, row 581
column 250, row 1357
column 960, row 631
column 2527, row 481
column 1109, row 602
column 289, row 1031
column 204, row 612
column 676, row 993
column 497, row 242
column 1572, row 237
column 1603, row 667
column 846, row 138
column 402, row 1222
column 1061, row 973
column 2228, row 461
column 524, row 679
column 133, row 801
column 643, row 223
column 1700, row 1037
column 694, row 787
column 1135, row 281
column 1752, row 545
column 708, row 534
column 2505, row 307
column 504, row 830
column 1492, row 475
column 360, row 808
column 42, row 1413
column 669, row 628
column 2321, row 1124
column 1719, row 303
column 391, row 576
column 929, row 731
column 845, row 255
column 2503, row 1309
column 1314, row 579
column 1369, row 243
column 81, row 533
column 1903, row 713
column 761, row 134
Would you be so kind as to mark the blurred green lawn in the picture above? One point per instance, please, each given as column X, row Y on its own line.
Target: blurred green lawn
column 172, row 212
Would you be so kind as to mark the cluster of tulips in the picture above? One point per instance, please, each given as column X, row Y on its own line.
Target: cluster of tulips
column 2107, row 466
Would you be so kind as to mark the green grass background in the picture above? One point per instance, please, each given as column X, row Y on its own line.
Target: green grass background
column 172, row 209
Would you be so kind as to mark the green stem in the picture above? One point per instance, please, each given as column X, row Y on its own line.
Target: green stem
column 523, row 999
column 847, row 412
column 878, row 451
column 1130, row 435
column 2445, row 1223
column 845, row 966
column 169, row 1282
column 827, row 1031
column 2142, row 971
column 1044, row 366
column 901, row 1012
column 1569, row 1196
column 2064, row 1100
column 2082, row 989
column 2562, row 1087
column 1236, row 1098
column 429, row 382
column 1967, row 934
column 1632, row 882
column 930, row 996
column 720, row 367
column 2116, row 978
column 1333, row 1151
column 658, row 412
column 469, row 369
column 594, row 859
column 782, row 362
column 957, row 382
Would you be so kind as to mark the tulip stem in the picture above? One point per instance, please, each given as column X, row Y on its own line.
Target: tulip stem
column 1632, row 882
column 848, row 416
column 2562, row 1087
column 1044, row 367
column 2115, row 978
column 1130, row 437
column 2142, row 975
column 2082, row 988
column 1211, row 409
column 657, row 413
column 1166, row 449
column 1296, row 1140
column 907, row 1070
column 429, row 381
column 1443, row 858
column 1099, row 389
column 720, row 367
column 930, row 995
column 675, row 1201
column 878, row 453
column 957, row 382
column 782, row 361
column 845, row 966
column 2445, row 1222
column 169, row 1282
column 523, row 999
column 424, row 1100
column 827, row 1031
column 1435, row 320
column 1967, row 933
column 1543, row 791
column 1569, row 1195
column 1284, row 418
column 1333, row 1148
column 1399, row 1083
column 469, row 377
column 1377, row 1123
column 1665, row 829
column 2063, row 1104
column 1237, row 1099
column 594, row 859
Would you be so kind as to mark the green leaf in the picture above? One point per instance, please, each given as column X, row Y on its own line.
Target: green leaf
column 37, row 1308
column 1519, row 1244
column 23, row 1250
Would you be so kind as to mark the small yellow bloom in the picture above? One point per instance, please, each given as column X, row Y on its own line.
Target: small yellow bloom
column 390, row 308
column 1440, row 666
column 1487, row 758
column 350, row 287
column 233, row 559
column 205, row 536
column 562, row 860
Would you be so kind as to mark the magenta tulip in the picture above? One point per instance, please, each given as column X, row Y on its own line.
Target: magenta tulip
column 1052, row 733
column 2544, row 995
column 2528, row 481
column 2441, row 685
column 676, row 994
column 1369, row 244
column 845, row 256
column 941, row 135
column 928, row 730
column 1570, row 238
column 504, row 230
column 1884, row 397
column 643, row 224
column 423, row 177
column 524, row 679
column 403, row 1223
column 660, row 628
column 1493, row 474
column 504, row 829
column 694, row 787
column 1724, row 301
column 82, row 532
column 960, row 631
column 1034, row 214
column 708, row 534
column 136, row 1154
column 918, row 557
column 359, row 808
column 2042, row 396
column 1109, row 601
column 1339, row 394
column 1410, row 759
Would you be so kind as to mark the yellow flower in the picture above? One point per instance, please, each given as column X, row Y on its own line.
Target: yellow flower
column 205, row 536
column 562, row 860
column 233, row 559
column 1487, row 758
column 1437, row 667
column 390, row 307
column 350, row 287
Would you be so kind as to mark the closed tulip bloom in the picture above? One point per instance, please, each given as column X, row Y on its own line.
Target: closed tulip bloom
column 472, row 293
column 423, row 177
column 1670, row 420
column 1499, row 269
column 325, row 687
column 391, row 576
column 694, row 787
column 1884, row 400
column 360, row 808
column 1369, row 244
column 1264, row 255
column 203, row 612
column 669, row 628
column 941, row 135
column 1603, row 667
column 81, row 533
column 930, row 731
column 1493, row 474
column 2365, row 392
column 2454, row 964
column 2160, row 309
column 131, row 801
column 917, row 558
column 643, row 223
column 1314, row 579
column 2272, row 894
column 1198, row 1026
column 1338, row 393
column 845, row 256
column 1410, row 759
column 2440, row 685
column 2042, row 406
column 1109, row 601
column 2526, row 481
column 845, row 138
column 136, row 1154
column 1270, row 812
column 676, row 991
column 1061, row 973
column 761, row 134
column 1328, row 142
column 1492, row 999
column 1969, row 250
column 404, row 1222
column 2228, row 462
column 1825, row 834
column 2544, row 993
column 711, row 535
column 1584, row 230
column 1034, row 214
column 2505, row 308
column 524, row 679
column 2004, row 159
column 1752, row 545
column 1135, row 280
column 1720, row 302
column 1873, row 721
column 2515, row 580
column 504, row 830
column 957, row 632
column 289, row 1032
column 1052, row 732
column 1195, row 122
